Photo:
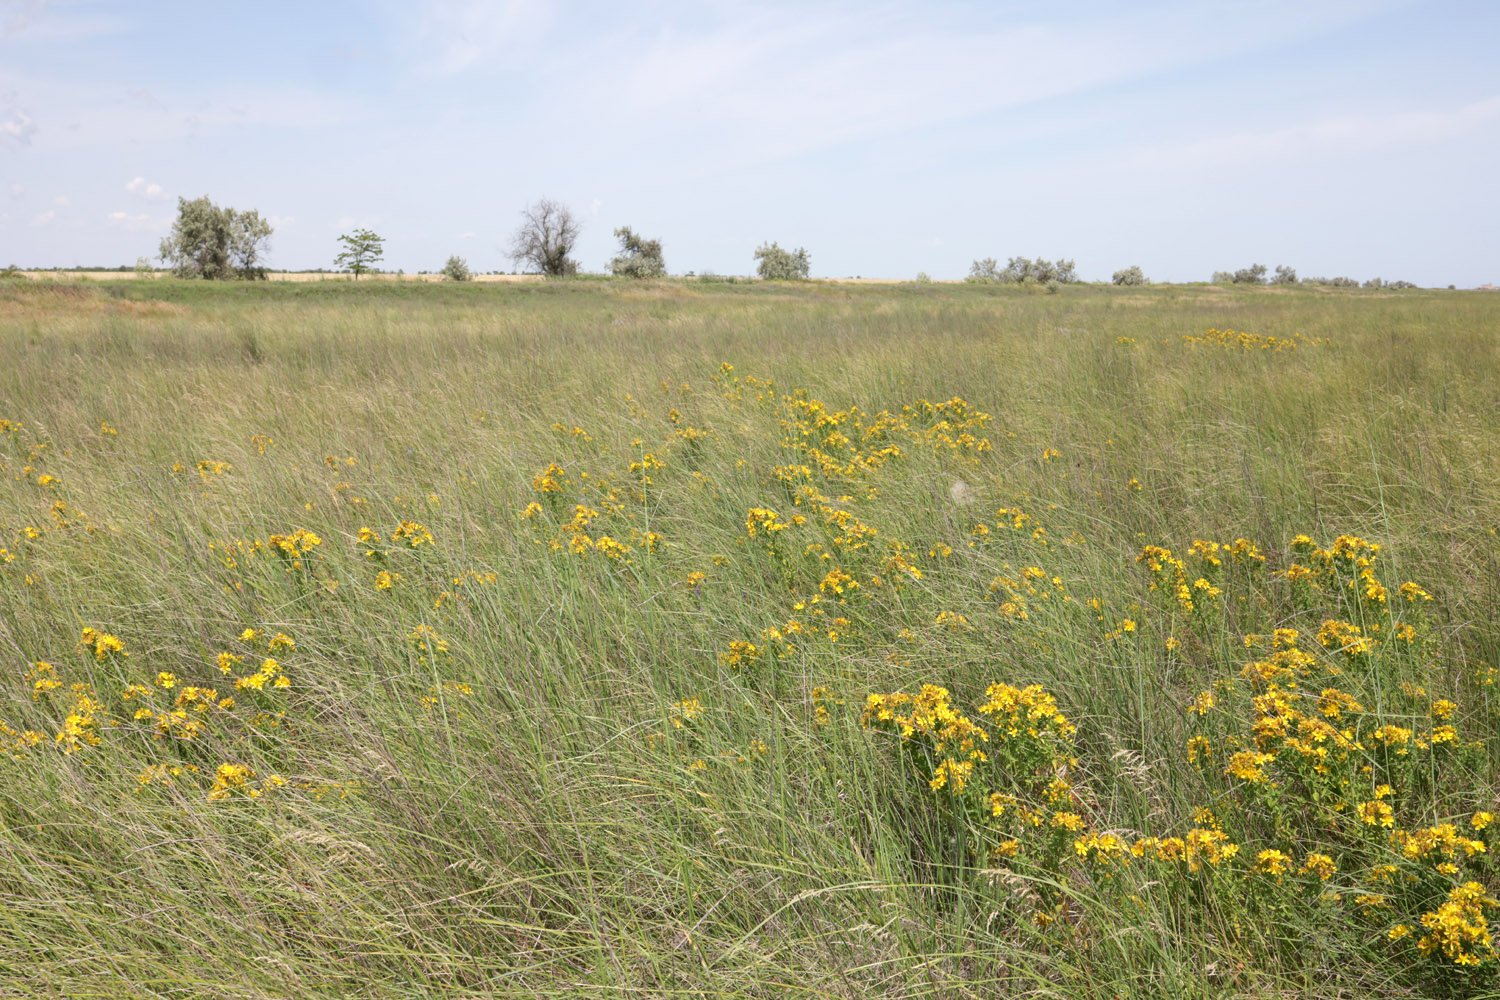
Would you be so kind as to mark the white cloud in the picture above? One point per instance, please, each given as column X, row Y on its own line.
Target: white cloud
column 16, row 190
column 62, row 201
column 280, row 221
column 43, row 218
column 134, row 222
column 467, row 236
column 18, row 128
column 139, row 187
column 763, row 81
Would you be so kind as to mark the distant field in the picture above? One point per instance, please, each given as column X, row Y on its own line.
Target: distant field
column 302, row 276
column 273, row 276
column 584, row 638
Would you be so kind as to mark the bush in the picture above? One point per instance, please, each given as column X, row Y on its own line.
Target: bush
column 1332, row 282
column 1131, row 275
column 639, row 257
column 1019, row 270
column 1255, row 274
column 457, row 269
column 923, row 278
column 984, row 270
column 776, row 264
column 1284, row 275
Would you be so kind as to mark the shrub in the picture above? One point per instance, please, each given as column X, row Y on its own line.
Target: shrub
column 1255, row 274
column 984, row 270
column 1019, row 270
column 1131, row 275
column 457, row 269
column 639, row 257
column 1284, row 275
column 776, row 264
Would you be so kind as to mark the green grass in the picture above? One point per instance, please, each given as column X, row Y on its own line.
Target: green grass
column 551, row 833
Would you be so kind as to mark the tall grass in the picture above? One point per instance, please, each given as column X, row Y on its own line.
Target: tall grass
column 523, row 798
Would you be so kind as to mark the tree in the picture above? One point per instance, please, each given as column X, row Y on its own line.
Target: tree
column 457, row 269
column 216, row 243
column 639, row 257
column 545, row 238
column 1284, row 275
column 1255, row 274
column 776, row 264
column 1023, row 269
column 361, row 249
column 1131, row 275
column 987, row 269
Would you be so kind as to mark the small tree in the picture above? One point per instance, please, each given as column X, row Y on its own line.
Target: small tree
column 1284, row 275
column 361, row 249
column 639, row 257
column 1131, row 275
column 776, row 264
column 545, row 238
column 1019, row 270
column 216, row 243
column 984, row 270
column 457, row 269
column 1255, row 274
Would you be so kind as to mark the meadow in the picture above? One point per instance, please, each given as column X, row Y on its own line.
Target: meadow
column 693, row 638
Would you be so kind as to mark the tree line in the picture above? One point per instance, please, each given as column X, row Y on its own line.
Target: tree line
column 211, row 242
column 216, row 243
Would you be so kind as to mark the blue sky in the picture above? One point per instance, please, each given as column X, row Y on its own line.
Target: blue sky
column 1358, row 138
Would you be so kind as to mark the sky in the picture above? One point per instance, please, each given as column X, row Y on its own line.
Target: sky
column 888, row 138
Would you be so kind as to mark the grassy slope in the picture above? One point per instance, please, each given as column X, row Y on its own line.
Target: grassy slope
column 530, row 838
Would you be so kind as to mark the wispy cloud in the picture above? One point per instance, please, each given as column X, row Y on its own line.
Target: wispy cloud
column 47, row 21
column 451, row 36
column 1339, row 136
column 43, row 218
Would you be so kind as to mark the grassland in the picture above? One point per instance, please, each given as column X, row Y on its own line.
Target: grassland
column 440, row 641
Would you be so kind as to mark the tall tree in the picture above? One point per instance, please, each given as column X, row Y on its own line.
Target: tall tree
column 216, row 243
column 361, row 249
column 545, row 238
